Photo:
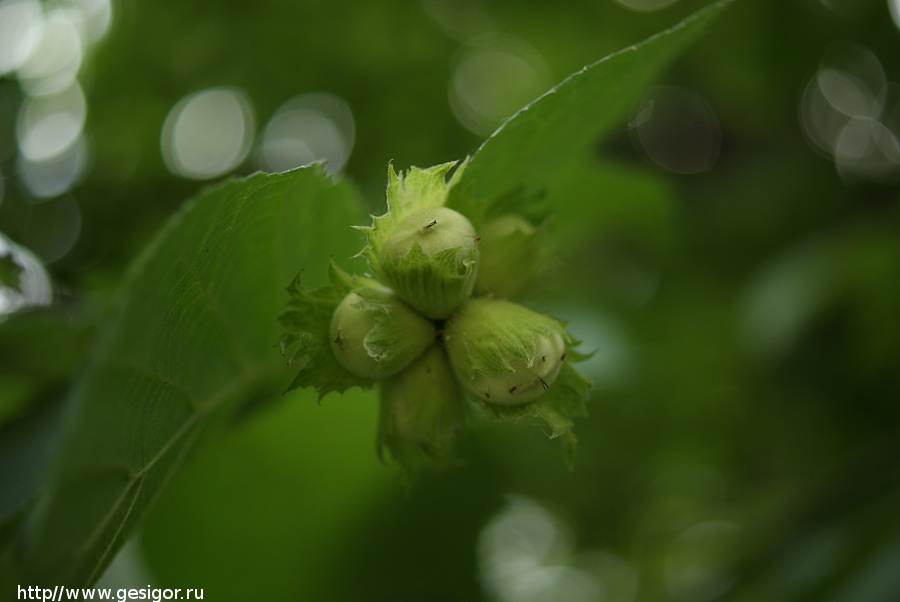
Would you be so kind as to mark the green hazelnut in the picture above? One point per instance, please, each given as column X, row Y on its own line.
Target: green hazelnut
column 373, row 334
column 430, row 260
column 502, row 352
column 422, row 404
column 512, row 252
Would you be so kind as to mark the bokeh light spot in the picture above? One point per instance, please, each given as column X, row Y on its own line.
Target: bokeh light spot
column 676, row 129
column 208, row 133
column 525, row 553
column 54, row 62
column 867, row 148
column 848, row 113
column 48, row 126
column 45, row 52
column 612, row 363
column 19, row 32
column 495, row 75
column 784, row 298
column 845, row 93
column 93, row 17
column 25, row 282
column 695, row 568
column 316, row 126
column 54, row 228
column 54, row 176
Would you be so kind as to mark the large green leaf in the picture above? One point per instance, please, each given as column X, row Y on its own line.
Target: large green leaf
column 559, row 127
column 194, row 335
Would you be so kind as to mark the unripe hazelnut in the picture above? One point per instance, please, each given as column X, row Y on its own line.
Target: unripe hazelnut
column 377, row 335
column 511, row 254
column 422, row 404
column 502, row 352
column 430, row 260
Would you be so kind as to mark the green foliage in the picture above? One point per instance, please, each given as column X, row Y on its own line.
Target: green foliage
column 192, row 335
column 557, row 129
column 741, row 439
column 500, row 352
column 191, row 339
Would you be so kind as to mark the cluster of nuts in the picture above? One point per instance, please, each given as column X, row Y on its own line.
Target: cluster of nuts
column 499, row 351
column 436, row 320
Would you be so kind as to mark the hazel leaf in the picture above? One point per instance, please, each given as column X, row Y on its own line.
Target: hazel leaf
column 187, row 345
column 532, row 149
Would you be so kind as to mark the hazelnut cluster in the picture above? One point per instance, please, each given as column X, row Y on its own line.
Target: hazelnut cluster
column 436, row 323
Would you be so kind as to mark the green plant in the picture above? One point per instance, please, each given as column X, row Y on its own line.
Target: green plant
column 191, row 339
column 500, row 352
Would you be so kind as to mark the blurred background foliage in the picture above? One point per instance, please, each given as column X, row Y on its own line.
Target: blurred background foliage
column 732, row 253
